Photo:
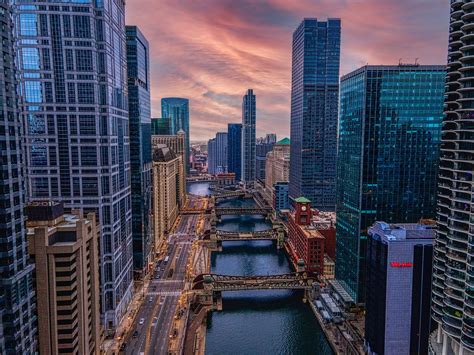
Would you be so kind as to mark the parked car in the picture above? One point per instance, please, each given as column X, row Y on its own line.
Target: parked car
column 142, row 321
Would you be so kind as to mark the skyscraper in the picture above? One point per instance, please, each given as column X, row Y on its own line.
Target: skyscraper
column 234, row 149
column 160, row 126
column 221, row 152
column 18, row 318
column 389, row 137
column 314, row 105
column 211, row 156
column 177, row 111
column 74, row 82
column 140, row 146
column 217, row 154
column 263, row 146
column 453, row 266
column 248, row 137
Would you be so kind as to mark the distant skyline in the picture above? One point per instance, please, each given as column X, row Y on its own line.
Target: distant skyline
column 212, row 51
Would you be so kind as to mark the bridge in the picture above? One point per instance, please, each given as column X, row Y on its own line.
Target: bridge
column 228, row 194
column 201, row 179
column 269, row 234
column 220, row 283
column 225, row 211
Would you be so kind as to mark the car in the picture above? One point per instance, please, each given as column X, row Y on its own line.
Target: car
column 150, row 299
column 142, row 321
column 123, row 346
column 157, row 277
column 135, row 334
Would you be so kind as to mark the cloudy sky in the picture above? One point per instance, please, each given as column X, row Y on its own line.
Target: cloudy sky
column 211, row 51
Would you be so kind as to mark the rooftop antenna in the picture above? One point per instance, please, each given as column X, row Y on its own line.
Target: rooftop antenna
column 416, row 61
column 400, row 61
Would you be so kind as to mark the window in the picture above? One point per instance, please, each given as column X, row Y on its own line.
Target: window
column 90, row 186
column 87, row 125
column 28, row 25
column 30, row 58
column 82, row 26
column 85, row 93
column 33, row 92
column 88, row 156
column 84, row 60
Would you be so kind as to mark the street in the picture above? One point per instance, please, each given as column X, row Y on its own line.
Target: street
column 152, row 326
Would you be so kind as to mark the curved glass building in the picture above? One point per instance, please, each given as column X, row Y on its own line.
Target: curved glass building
column 453, row 270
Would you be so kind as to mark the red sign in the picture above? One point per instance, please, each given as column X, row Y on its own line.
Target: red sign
column 397, row 264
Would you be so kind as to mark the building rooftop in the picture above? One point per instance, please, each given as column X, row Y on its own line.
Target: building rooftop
column 302, row 200
column 405, row 231
column 284, row 141
column 162, row 153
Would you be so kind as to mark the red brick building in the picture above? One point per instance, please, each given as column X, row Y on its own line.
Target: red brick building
column 305, row 241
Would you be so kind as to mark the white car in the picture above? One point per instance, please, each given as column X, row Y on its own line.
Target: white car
column 142, row 321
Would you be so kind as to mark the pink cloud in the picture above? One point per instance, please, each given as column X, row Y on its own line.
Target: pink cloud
column 211, row 51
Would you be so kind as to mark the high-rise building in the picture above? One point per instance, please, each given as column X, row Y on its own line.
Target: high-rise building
column 64, row 248
column 217, row 154
column 221, row 152
column 160, row 126
column 263, row 147
column 169, row 191
column 176, row 110
column 453, row 266
column 314, row 107
column 389, row 138
column 177, row 143
column 248, row 138
column 211, row 156
column 280, row 196
column 270, row 138
column 277, row 168
column 138, row 65
column 399, row 261
column 73, row 71
column 18, row 318
column 234, row 149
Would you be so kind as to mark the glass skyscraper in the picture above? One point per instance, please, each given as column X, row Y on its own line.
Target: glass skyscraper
column 73, row 74
column 18, row 319
column 389, row 138
column 160, row 126
column 140, row 146
column 248, row 138
column 176, row 109
column 314, row 106
column 234, row 149
column 452, row 299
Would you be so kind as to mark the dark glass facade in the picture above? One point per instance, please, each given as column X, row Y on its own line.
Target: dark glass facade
column 160, row 126
column 73, row 79
column 176, row 109
column 140, row 146
column 314, row 107
column 248, row 137
column 18, row 319
column 234, row 149
column 389, row 138
column 261, row 150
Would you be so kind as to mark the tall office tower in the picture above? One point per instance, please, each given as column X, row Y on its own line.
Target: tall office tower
column 271, row 138
column 248, row 137
column 138, row 65
column 262, row 148
column 64, row 248
column 314, row 105
column 399, row 261
column 211, row 156
column 277, row 164
column 160, row 126
column 389, row 138
column 234, row 149
column 221, row 152
column 177, row 143
column 72, row 62
column 17, row 296
column 169, row 191
column 177, row 111
column 453, row 267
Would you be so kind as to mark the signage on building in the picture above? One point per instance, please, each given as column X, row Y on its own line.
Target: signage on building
column 401, row 265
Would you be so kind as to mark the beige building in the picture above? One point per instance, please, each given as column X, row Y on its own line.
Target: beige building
column 65, row 251
column 177, row 143
column 169, row 191
column 277, row 166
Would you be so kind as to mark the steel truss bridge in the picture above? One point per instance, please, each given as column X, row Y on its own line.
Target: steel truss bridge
column 224, row 211
column 220, row 283
column 269, row 234
column 231, row 194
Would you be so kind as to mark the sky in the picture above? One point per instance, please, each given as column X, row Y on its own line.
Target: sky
column 212, row 51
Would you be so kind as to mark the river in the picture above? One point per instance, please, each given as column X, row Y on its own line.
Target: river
column 258, row 322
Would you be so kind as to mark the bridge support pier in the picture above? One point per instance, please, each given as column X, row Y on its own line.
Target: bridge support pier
column 217, row 300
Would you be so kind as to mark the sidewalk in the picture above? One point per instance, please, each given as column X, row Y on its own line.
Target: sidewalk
column 110, row 346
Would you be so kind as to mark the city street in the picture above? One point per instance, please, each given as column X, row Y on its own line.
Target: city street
column 151, row 328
